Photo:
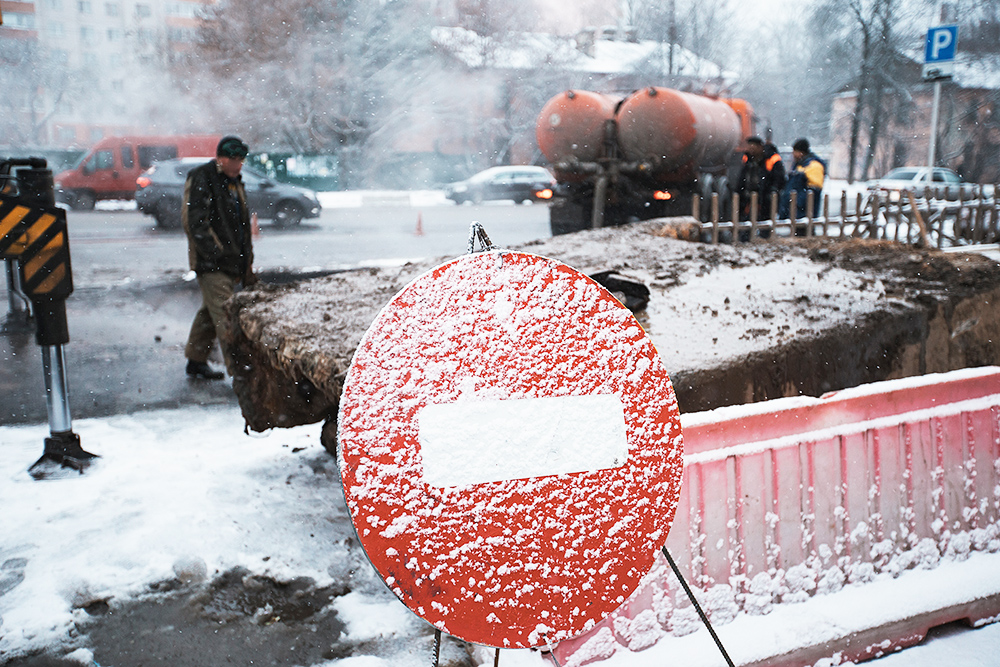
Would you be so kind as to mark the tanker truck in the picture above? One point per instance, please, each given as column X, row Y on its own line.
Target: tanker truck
column 622, row 158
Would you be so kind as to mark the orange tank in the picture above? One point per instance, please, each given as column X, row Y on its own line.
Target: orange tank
column 571, row 125
column 677, row 130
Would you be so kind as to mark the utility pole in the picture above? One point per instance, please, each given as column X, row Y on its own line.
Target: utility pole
column 671, row 37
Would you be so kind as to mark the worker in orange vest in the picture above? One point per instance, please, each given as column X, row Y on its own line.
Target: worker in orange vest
column 764, row 173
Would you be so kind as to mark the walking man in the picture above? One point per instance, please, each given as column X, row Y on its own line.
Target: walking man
column 217, row 223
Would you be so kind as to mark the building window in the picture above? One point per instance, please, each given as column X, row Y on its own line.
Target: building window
column 184, row 9
column 57, row 30
column 54, row 4
column 84, row 6
column 112, row 9
column 87, row 34
column 19, row 21
column 180, row 34
column 143, row 11
column 90, row 59
column 115, row 34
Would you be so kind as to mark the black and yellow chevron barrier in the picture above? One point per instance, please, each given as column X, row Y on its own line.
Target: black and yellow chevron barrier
column 38, row 240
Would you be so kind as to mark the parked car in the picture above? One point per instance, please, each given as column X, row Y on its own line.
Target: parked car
column 915, row 179
column 109, row 169
column 160, row 191
column 520, row 183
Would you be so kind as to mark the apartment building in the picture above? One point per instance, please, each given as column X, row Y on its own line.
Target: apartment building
column 97, row 65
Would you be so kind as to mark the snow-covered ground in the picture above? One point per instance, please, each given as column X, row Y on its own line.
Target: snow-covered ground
column 186, row 493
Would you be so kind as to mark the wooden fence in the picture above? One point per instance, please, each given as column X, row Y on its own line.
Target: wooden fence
column 934, row 217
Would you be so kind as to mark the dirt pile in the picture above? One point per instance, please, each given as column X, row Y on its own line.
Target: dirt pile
column 734, row 324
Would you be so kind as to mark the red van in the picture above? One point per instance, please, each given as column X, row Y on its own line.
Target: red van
column 109, row 169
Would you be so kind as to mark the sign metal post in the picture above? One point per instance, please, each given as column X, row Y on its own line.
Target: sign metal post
column 939, row 65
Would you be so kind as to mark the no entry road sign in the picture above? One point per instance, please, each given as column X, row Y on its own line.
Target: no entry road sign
column 510, row 449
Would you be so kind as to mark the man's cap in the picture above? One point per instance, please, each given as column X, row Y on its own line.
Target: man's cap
column 755, row 140
column 232, row 147
column 801, row 145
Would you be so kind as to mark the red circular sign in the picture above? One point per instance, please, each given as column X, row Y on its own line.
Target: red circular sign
column 510, row 449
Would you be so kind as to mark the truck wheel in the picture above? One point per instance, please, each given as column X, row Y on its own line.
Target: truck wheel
column 725, row 197
column 288, row 214
column 82, row 200
column 566, row 217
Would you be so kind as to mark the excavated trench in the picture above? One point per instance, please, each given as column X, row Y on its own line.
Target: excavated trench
column 734, row 324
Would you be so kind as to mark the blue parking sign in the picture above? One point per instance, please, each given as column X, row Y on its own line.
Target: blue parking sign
column 942, row 41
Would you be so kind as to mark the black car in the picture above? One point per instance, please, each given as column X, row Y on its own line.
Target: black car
column 520, row 183
column 160, row 190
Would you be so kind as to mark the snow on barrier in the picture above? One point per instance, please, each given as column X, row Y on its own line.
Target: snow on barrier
column 792, row 498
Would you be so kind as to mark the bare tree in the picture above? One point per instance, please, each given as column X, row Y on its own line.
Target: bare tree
column 979, row 25
column 310, row 75
column 970, row 123
column 703, row 27
column 34, row 87
column 861, row 47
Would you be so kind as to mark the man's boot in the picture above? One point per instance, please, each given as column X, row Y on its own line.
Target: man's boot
column 202, row 371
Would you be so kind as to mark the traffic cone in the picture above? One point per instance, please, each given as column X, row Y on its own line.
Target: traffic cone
column 420, row 225
column 254, row 227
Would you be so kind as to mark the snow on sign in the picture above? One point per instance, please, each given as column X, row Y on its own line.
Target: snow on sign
column 510, row 449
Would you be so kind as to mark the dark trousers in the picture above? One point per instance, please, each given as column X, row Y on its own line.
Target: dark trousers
column 208, row 324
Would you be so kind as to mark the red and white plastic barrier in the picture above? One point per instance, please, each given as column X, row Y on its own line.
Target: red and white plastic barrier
column 787, row 499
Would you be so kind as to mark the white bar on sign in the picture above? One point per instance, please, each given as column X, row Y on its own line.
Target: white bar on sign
column 475, row 442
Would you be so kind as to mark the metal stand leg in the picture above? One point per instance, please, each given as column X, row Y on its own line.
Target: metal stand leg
column 56, row 388
column 18, row 306
column 62, row 447
column 697, row 607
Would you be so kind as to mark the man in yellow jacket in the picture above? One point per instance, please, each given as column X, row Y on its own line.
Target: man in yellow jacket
column 808, row 174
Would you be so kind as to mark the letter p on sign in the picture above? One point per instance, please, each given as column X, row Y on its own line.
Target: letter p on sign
column 941, row 44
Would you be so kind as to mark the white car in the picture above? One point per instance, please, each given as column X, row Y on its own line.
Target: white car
column 520, row 183
column 915, row 179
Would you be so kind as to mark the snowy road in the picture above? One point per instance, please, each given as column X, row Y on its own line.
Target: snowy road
column 127, row 271
column 116, row 245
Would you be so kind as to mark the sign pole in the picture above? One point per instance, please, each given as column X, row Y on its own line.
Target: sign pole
column 939, row 64
column 933, row 137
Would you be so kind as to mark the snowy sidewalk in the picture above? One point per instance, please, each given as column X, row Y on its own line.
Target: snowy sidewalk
column 185, row 493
